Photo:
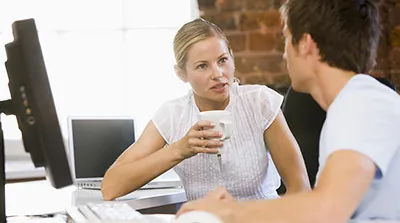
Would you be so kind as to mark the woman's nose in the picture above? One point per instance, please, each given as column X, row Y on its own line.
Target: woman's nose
column 217, row 72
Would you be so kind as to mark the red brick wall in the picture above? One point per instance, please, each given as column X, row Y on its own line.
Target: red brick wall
column 253, row 27
column 392, row 43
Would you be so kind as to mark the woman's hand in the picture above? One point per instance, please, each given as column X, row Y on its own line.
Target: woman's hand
column 199, row 139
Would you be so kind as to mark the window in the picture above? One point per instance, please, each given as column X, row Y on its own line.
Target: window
column 103, row 57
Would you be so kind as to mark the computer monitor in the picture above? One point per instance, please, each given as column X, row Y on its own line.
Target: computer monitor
column 33, row 105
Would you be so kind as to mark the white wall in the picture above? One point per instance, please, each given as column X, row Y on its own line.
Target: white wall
column 117, row 61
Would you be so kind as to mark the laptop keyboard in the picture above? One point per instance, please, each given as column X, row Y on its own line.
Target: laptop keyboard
column 118, row 212
column 109, row 212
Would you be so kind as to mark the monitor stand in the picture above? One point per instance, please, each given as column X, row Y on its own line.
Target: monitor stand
column 6, row 107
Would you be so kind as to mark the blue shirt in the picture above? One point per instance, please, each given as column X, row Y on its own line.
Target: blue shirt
column 365, row 117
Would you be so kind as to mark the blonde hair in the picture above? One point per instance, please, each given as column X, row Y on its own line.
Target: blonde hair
column 191, row 33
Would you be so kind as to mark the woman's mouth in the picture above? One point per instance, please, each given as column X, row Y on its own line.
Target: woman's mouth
column 219, row 88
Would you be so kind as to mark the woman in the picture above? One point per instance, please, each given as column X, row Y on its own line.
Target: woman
column 174, row 138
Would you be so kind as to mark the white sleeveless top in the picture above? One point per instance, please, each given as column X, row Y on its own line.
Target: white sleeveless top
column 248, row 170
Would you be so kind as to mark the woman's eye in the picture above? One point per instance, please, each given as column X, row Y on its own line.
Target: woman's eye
column 201, row 66
column 223, row 60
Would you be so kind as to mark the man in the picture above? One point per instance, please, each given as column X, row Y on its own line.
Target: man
column 330, row 45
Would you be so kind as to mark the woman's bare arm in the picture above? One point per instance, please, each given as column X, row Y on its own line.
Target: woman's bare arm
column 148, row 158
column 286, row 155
column 140, row 163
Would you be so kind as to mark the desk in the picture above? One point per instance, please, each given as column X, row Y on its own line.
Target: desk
column 38, row 197
column 148, row 201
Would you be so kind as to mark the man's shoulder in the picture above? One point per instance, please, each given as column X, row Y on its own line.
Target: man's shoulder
column 375, row 106
column 366, row 87
column 367, row 95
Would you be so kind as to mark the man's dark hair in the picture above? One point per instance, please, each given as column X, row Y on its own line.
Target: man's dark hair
column 345, row 31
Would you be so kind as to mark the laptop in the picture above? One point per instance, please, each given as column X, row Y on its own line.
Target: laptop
column 96, row 142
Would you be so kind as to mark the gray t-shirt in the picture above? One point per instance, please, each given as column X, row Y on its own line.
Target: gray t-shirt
column 365, row 117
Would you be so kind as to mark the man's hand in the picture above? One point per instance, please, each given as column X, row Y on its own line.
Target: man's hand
column 220, row 193
column 218, row 202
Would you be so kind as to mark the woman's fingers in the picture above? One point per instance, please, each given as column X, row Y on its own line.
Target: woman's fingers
column 206, row 134
column 202, row 139
column 205, row 142
column 206, row 150
column 203, row 124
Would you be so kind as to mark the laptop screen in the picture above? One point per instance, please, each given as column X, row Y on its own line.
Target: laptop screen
column 97, row 143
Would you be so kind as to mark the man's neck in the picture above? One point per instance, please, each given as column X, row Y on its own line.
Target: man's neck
column 328, row 83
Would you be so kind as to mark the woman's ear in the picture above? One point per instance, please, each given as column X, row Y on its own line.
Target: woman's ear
column 180, row 73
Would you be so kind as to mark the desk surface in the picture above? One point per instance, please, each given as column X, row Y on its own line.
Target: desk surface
column 38, row 197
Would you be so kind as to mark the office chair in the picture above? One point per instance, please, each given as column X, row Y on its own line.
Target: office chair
column 386, row 82
column 305, row 119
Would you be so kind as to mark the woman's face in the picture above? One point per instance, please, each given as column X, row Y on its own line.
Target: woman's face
column 210, row 69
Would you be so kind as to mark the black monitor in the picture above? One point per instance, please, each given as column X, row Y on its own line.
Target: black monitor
column 33, row 105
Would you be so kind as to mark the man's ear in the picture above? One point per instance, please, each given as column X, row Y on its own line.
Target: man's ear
column 307, row 45
column 180, row 73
